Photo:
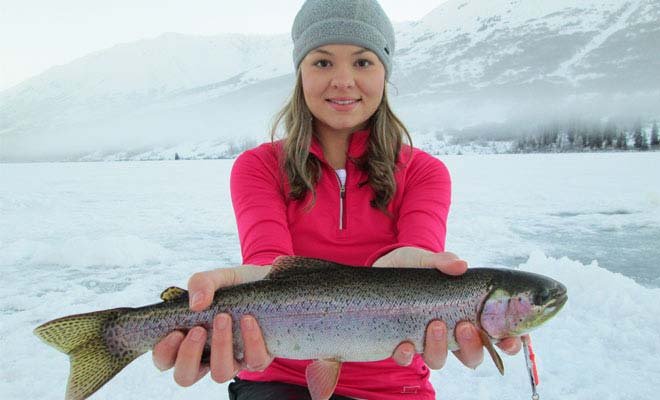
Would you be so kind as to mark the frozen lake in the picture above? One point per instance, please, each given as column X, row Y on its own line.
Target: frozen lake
column 77, row 237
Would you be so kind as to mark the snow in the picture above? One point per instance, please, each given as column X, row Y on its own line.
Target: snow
column 465, row 64
column 596, row 41
column 78, row 237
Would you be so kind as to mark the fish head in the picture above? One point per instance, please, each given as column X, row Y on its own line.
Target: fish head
column 519, row 302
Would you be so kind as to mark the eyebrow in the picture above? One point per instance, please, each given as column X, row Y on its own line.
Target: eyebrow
column 330, row 54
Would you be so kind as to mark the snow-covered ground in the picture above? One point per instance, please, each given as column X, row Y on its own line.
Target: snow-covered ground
column 77, row 237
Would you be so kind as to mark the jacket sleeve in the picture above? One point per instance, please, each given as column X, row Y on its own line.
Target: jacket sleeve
column 422, row 215
column 260, row 207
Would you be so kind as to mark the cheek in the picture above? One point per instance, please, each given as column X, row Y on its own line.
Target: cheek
column 518, row 312
column 493, row 318
column 374, row 89
column 312, row 87
column 501, row 318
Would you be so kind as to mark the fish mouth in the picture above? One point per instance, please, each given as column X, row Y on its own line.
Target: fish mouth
column 558, row 302
column 553, row 307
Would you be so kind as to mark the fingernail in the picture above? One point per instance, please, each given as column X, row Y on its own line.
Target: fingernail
column 248, row 323
column 466, row 333
column 221, row 322
column 171, row 339
column 196, row 334
column 160, row 367
column 408, row 356
column 196, row 299
column 438, row 332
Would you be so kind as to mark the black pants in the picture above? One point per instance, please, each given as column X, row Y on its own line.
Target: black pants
column 248, row 390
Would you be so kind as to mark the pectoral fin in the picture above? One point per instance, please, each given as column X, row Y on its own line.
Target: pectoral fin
column 322, row 377
column 491, row 350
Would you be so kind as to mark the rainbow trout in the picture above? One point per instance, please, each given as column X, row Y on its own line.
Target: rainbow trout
column 315, row 309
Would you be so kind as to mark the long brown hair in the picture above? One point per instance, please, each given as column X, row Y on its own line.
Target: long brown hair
column 303, row 169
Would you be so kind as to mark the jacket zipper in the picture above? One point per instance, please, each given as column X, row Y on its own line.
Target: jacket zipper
column 342, row 200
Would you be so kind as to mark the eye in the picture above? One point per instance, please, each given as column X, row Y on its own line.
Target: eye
column 363, row 63
column 542, row 297
column 322, row 63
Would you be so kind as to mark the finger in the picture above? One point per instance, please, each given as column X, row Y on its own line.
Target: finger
column 187, row 366
column 445, row 262
column 435, row 346
column 223, row 365
column 404, row 353
column 202, row 286
column 471, row 349
column 256, row 355
column 165, row 351
column 510, row 346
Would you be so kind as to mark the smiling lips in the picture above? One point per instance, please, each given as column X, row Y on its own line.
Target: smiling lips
column 343, row 104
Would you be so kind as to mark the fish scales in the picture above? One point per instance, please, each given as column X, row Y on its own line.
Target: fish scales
column 324, row 313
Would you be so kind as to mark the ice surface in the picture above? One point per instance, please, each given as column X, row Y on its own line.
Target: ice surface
column 79, row 237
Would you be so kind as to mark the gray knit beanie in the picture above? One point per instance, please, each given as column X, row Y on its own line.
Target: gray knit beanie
column 357, row 22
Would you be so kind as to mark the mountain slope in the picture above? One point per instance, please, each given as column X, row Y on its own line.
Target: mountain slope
column 465, row 64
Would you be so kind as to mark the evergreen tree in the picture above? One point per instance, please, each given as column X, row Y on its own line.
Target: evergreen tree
column 638, row 136
column 595, row 139
column 655, row 140
column 570, row 135
column 609, row 135
column 562, row 142
column 622, row 141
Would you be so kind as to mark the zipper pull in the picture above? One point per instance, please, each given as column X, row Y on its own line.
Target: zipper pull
column 342, row 191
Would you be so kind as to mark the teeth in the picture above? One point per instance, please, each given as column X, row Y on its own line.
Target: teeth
column 344, row 102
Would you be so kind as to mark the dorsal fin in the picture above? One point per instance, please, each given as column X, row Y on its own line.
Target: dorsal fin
column 289, row 266
column 173, row 293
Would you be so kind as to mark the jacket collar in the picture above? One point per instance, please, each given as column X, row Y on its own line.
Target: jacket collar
column 357, row 145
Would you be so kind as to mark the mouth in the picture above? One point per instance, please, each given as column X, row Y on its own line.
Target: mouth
column 343, row 105
column 557, row 303
column 343, row 101
column 552, row 308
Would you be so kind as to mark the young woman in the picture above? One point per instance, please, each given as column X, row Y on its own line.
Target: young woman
column 341, row 186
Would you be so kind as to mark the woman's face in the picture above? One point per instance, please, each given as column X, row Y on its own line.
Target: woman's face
column 343, row 86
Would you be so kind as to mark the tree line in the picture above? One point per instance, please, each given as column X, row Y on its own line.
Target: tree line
column 581, row 136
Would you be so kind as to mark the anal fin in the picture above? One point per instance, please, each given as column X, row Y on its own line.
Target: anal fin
column 322, row 377
column 491, row 350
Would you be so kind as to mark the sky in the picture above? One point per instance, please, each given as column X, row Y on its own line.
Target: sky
column 38, row 34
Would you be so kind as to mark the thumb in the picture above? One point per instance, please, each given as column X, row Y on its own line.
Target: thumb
column 202, row 285
column 445, row 262
column 200, row 291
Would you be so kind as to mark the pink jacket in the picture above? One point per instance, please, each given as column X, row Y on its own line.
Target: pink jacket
column 343, row 228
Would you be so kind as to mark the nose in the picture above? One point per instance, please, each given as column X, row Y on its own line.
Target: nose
column 343, row 77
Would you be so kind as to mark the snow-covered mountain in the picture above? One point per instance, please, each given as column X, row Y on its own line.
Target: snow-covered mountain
column 467, row 63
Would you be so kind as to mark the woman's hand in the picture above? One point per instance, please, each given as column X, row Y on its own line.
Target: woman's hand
column 435, row 346
column 184, row 352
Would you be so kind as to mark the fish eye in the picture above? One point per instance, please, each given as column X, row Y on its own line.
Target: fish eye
column 542, row 297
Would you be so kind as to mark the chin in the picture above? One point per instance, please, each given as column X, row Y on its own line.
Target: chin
column 343, row 125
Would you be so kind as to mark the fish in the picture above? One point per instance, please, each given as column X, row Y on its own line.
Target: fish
column 315, row 309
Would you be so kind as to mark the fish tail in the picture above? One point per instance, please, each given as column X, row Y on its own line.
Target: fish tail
column 92, row 361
